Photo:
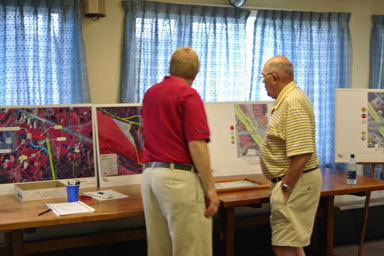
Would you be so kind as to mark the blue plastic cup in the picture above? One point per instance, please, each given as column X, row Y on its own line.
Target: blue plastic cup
column 73, row 193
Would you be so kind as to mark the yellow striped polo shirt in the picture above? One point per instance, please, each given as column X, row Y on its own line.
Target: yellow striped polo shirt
column 290, row 132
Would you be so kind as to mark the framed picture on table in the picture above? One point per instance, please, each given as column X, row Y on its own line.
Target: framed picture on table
column 236, row 184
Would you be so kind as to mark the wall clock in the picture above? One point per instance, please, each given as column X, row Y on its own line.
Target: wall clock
column 237, row 3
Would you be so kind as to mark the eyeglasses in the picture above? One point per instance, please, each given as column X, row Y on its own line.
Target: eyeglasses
column 262, row 77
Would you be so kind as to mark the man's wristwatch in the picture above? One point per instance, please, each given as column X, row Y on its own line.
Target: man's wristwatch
column 285, row 187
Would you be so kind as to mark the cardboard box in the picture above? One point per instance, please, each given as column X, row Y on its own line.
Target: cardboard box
column 40, row 190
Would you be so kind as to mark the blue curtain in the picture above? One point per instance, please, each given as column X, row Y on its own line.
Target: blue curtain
column 42, row 58
column 377, row 71
column 153, row 31
column 318, row 44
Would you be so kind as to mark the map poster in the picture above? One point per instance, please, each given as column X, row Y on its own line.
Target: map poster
column 237, row 130
column 375, row 120
column 46, row 143
column 359, row 125
column 251, row 128
column 120, row 144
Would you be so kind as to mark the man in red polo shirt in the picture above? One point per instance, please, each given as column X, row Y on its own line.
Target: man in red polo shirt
column 177, row 185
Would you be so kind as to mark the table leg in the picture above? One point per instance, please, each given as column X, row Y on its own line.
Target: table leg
column 366, row 210
column 364, row 226
column 228, row 219
column 330, row 219
column 17, row 242
column 326, row 232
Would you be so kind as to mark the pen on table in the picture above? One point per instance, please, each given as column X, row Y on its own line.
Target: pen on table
column 105, row 194
column 44, row 212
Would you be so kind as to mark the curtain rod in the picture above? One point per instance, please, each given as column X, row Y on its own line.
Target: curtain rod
column 249, row 8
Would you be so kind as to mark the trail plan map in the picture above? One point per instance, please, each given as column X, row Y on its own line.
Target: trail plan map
column 120, row 143
column 45, row 143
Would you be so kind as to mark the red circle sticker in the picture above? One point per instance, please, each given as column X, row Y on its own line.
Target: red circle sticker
column 85, row 198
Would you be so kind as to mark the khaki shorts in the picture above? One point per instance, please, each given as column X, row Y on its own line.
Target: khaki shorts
column 292, row 222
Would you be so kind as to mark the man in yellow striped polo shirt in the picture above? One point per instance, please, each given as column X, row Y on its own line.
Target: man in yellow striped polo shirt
column 289, row 160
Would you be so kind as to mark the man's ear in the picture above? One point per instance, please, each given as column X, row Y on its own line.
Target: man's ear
column 275, row 76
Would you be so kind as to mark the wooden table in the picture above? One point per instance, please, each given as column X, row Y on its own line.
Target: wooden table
column 15, row 216
column 334, row 183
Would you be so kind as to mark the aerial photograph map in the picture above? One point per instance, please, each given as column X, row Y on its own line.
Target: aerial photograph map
column 251, row 127
column 45, row 143
column 119, row 140
column 376, row 120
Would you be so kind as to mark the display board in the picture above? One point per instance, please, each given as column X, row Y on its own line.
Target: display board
column 238, row 130
column 40, row 143
column 119, row 144
column 359, row 120
column 57, row 142
column 237, row 133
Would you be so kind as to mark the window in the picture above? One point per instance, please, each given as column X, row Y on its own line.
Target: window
column 153, row 31
column 42, row 55
column 318, row 45
column 233, row 45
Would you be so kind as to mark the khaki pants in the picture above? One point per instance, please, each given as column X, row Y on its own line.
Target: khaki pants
column 174, row 213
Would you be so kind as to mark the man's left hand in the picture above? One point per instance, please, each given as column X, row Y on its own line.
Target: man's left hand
column 211, row 201
column 286, row 195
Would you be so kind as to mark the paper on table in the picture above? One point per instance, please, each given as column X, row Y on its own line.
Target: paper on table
column 105, row 195
column 70, row 208
column 233, row 184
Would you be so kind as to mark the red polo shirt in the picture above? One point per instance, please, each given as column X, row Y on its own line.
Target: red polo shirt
column 173, row 115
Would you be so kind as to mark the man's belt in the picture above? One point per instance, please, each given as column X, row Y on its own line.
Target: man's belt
column 184, row 167
column 275, row 180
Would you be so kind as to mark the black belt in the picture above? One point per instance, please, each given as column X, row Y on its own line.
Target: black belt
column 275, row 180
column 184, row 167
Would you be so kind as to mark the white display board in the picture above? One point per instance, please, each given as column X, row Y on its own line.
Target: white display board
column 119, row 144
column 237, row 133
column 359, row 120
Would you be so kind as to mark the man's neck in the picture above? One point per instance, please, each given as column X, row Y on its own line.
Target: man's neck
column 282, row 85
column 188, row 81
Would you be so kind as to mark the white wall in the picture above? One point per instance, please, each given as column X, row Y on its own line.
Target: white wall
column 103, row 38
